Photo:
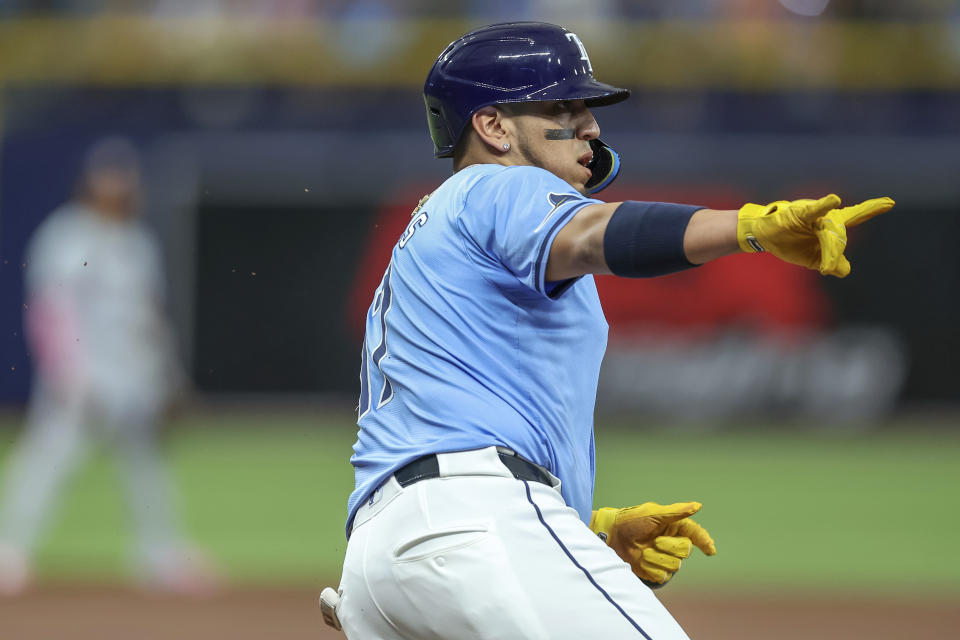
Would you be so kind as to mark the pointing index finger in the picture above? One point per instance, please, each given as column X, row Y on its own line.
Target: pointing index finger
column 679, row 510
column 857, row 214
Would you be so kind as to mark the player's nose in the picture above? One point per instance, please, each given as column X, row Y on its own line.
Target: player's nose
column 587, row 128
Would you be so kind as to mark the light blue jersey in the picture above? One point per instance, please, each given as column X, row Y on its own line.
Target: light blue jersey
column 466, row 344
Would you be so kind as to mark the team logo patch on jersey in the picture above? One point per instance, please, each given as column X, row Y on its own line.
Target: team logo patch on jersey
column 556, row 201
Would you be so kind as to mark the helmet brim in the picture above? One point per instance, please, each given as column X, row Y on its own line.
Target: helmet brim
column 606, row 94
column 592, row 92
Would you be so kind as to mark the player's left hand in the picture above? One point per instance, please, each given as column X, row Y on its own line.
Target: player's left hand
column 653, row 538
column 810, row 233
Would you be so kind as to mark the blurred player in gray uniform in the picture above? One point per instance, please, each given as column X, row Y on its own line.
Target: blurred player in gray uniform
column 105, row 368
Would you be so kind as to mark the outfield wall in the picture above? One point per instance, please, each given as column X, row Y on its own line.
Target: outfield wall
column 281, row 168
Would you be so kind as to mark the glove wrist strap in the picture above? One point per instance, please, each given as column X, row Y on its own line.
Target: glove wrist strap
column 745, row 233
column 603, row 521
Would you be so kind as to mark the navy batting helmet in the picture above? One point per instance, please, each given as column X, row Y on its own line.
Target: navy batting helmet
column 513, row 62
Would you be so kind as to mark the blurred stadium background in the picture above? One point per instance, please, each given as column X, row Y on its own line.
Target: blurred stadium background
column 283, row 146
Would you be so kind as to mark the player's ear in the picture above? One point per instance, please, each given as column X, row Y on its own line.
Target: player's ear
column 488, row 123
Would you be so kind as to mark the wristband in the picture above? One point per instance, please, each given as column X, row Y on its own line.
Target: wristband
column 645, row 239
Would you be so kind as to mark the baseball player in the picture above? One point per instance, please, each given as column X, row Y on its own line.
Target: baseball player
column 104, row 362
column 472, row 514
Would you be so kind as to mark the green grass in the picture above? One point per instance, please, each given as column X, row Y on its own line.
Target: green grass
column 265, row 493
column 869, row 511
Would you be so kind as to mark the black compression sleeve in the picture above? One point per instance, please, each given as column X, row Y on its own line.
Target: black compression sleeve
column 645, row 239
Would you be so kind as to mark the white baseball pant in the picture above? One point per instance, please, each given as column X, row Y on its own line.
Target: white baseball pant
column 476, row 554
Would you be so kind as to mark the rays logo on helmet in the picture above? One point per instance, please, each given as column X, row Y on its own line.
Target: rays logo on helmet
column 575, row 39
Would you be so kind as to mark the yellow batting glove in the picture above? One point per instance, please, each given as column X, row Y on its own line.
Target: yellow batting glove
column 810, row 233
column 653, row 538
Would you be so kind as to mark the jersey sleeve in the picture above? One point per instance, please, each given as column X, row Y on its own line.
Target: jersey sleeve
column 513, row 216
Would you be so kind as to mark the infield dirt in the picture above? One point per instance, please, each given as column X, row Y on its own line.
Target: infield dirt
column 108, row 613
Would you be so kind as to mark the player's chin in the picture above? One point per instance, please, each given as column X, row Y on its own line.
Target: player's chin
column 579, row 179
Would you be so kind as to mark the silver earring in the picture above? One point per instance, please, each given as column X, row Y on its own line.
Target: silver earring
column 506, row 146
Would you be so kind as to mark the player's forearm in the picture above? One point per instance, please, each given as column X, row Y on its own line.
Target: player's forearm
column 640, row 240
column 710, row 234
column 53, row 333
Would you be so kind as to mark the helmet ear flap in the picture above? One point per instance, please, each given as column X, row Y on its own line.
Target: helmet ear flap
column 605, row 166
column 444, row 140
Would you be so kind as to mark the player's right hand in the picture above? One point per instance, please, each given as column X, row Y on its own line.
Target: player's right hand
column 653, row 538
column 810, row 233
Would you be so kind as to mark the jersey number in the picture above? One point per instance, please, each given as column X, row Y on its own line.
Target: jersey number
column 382, row 304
